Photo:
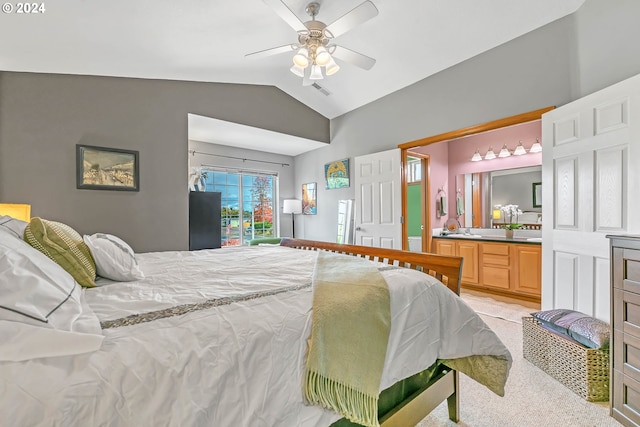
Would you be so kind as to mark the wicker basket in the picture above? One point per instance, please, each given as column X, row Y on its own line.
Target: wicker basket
column 585, row 371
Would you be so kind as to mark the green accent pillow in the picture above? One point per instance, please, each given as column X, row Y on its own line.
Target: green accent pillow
column 65, row 246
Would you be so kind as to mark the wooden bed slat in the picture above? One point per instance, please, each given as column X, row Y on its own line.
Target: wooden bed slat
column 447, row 269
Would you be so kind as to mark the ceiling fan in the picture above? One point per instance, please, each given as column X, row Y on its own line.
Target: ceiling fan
column 315, row 48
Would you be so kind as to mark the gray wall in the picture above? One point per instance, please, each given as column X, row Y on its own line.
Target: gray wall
column 501, row 82
column 550, row 66
column 43, row 117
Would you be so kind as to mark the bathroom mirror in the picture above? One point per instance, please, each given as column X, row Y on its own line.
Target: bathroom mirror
column 345, row 221
column 504, row 187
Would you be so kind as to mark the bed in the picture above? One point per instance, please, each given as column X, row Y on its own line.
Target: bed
column 219, row 338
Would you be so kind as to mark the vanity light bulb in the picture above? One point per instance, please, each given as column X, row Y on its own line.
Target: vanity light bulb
column 536, row 147
column 504, row 152
column 519, row 151
column 490, row 154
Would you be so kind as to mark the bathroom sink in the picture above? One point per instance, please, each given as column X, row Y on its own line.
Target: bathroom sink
column 535, row 239
column 468, row 236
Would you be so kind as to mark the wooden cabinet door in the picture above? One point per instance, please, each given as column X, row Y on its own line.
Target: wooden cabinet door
column 529, row 269
column 444, row 247
column 496, row 265
column 470, row 266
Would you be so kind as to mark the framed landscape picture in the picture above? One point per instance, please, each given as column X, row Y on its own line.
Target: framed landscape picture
column 309, row 199
column 337, row 174
column 102, row 168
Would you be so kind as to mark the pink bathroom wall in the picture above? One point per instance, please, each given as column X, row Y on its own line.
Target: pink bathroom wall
column 461, row 150
column 449, row 159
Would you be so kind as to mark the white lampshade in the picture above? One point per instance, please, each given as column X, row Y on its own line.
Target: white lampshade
column 322, row 56
column 301, row 59
column 331, row 67
column 292, row 206
column 519, row 151
column 297, row 70
column 504, row 152
column 316, row 73
column 490, row 154
column 476, row 156
column 536, row 147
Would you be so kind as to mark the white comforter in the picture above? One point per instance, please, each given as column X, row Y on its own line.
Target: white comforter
column 236, row 364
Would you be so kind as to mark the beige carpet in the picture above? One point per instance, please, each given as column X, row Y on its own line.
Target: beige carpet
column 532, row 397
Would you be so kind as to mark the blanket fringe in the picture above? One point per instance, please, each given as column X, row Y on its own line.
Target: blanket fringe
column 354, row 405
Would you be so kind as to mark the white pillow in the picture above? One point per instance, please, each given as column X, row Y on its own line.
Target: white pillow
column 14, row 225
column 114, row 259
column 41, row 304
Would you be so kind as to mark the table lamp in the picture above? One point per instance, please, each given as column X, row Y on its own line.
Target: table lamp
column 16, row 210
column 292, row 206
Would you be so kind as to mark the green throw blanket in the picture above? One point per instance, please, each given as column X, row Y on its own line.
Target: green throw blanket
column 351, row 318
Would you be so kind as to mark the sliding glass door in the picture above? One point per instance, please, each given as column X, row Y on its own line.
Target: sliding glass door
column 248, row 207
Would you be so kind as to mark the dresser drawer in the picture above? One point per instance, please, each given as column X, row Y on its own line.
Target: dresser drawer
column 626, row 399
column 626, row 355
column 626, row 272
column 626, row 316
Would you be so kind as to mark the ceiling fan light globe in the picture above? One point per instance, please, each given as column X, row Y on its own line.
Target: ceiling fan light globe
column 298, row 71
column 316, row 73
column 331, row 68
column 322, row 56
column 301, row 59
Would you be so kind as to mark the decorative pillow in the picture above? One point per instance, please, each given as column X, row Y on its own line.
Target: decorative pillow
column 42, row 309
column 65, row 246
column 586, row 330
column 13, row 225
column 114, row 259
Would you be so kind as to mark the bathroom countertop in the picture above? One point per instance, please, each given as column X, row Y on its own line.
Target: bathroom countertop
column 490, row 238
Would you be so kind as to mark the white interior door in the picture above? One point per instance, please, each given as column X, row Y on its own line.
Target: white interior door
column 378, row 199
column 590, row 183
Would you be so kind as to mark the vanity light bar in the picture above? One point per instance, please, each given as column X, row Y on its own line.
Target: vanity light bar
column 505, row 152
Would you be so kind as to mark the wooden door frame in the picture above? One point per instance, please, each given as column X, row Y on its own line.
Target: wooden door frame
column 425, row 195
column 471, row 130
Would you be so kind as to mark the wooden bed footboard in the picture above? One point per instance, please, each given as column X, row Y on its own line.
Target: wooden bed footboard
column 447, row 269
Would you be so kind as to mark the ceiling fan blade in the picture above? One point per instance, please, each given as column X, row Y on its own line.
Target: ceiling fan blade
column 272, row 51
column 286, row 14
column 353, row 18
column 355, row 58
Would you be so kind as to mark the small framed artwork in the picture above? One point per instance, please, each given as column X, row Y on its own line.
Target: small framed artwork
column 102, row 168
column 337, row 174
column 309, row 199
column 537, row 194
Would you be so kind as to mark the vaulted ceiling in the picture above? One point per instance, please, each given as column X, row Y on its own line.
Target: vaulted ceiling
column 207, row 41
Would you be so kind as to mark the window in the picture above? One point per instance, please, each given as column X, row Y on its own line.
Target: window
column 248, row 210
column 414, row 170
